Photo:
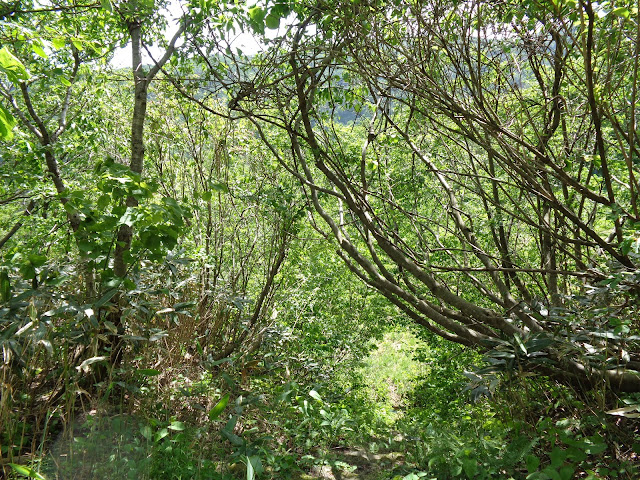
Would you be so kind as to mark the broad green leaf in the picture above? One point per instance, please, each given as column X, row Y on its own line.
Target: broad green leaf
column 148, row 372
column 38, row 50
column 566, row 472
column 106, row 5
column 558, row 456
column 128, row 218
column 58, row 43
column 533, row 463
column 257, row 13
column 622, row 12
column 103, row 201
column 272, row 21
column 220, row 187
column 37, row 260
column 146, row 432
column 27, row 471
column 176, row 426
column 315, row 395
column 7, row 122
column 12, row 67
column 470, row 467
column 219, row 407
column 85, row 246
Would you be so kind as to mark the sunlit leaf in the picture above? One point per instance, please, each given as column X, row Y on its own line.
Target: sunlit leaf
column 27, row 471
column 90, row 361
column 250, row 472
column 625, row 411
column 7, row 123
column 38, row 50
column 219, row 407
column 12, row 67
column 315, row 395
column 622, row 12
column 176, row 426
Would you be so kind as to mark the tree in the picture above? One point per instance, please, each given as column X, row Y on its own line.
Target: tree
column 488, row 186
column 54, row 73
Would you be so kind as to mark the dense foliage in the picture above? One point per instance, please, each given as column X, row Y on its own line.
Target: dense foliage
column 398, row 238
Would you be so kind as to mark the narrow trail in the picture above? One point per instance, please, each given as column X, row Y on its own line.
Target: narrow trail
column 359, row 463
column 356, row 464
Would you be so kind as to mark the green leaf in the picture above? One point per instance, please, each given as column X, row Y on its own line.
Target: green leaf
column 105, row 298
column 470, row 467
column 65, row 81
column 110, row 326
column 552, row 473
column 257, row 13
column 161, row 434
column 315, row 395
column 233, row 438
column 12, row 67
column 58, row 43
column 146, row 432
column 566, row 472
column 106, row 5
column 256, row 463
column 272, row 21
column 128, row 218
column 622, row 12
column 47, row 345
column 38, row 50
column 520, row 343
column 219, row 407
column 220, row 187
column 532, row 462
column 250, row 472
column 27, row 471
column 5, row 286
column 557, row 456
column 176, row 426
column 148, row 372
column 7, row 122
column 256, row 18
column 37, row 260
column 84, row 246
column 103, row 201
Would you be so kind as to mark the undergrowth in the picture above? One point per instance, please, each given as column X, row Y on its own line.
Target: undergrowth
column 408, row 399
